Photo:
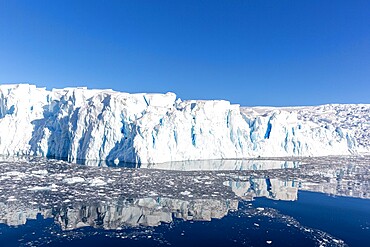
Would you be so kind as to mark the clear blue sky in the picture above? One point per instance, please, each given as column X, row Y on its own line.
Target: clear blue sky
column 297, row 52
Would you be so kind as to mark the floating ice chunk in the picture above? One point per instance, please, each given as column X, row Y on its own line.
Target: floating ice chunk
column 185, row 193
column 97, row 182
column 4, row 178
column 40, row 172
column 81, row 224
column 15, row 174
column 11, row 199
column 39, row 188
column 74, row 180
column 54, row 187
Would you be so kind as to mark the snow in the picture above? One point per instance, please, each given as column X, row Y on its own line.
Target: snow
column 82, row 124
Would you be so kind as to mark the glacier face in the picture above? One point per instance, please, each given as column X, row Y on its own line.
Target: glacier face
column 78, row 123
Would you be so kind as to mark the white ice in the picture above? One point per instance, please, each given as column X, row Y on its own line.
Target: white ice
column 77, row 123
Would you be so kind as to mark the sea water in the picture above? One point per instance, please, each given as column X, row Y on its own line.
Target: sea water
column 305, row 202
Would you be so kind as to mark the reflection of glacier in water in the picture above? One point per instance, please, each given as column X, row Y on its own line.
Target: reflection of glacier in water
column 218, row 165
column 111, row 198
column 144, row 211
column 122, row 212
column 196, row 165
column 275, row 189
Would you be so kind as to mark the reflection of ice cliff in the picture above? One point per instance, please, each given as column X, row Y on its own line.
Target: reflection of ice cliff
column 218, row 165
column 116, row 214
column 77, row 196
column 351, row 180
column 145, row 211
column 15, row 214
column 271, row 188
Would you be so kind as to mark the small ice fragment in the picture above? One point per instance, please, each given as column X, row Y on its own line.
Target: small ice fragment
column 13, row 173
column 260, row 209
column 185, row 193
column 40, row 172
column 38, row 188
column 256, row 224
column 269, row 242
column 11, row 199
column 97, row 182
column 74, row 180
column 81, row 224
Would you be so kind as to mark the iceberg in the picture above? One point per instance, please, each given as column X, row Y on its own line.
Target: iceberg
column 83, row 124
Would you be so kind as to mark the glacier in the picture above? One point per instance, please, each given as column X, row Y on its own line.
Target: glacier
column 84, row 124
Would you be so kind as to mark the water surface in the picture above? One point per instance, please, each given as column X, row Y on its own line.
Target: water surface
column 313, row 202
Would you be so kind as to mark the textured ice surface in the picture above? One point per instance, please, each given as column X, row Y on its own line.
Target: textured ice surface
column 211, row 165
column 81, row 124
column 31, row 186
column 77, row 196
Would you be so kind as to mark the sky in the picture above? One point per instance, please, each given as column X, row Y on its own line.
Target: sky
column 277, row 53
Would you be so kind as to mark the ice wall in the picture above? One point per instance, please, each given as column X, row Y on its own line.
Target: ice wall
column 77, row 123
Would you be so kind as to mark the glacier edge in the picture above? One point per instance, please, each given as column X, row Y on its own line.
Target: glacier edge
column 83, row 124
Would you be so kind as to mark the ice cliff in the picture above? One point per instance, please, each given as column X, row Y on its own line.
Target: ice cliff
column 78, row 123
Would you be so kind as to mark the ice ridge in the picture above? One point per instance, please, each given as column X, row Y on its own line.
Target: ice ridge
column 83, row 124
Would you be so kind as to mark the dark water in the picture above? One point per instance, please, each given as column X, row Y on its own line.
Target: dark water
column 311, row 202
column 345, row 217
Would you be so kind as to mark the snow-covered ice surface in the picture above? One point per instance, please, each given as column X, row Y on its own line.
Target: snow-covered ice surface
column 77, row 196
column 81, row 124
